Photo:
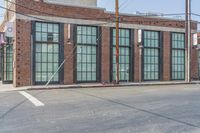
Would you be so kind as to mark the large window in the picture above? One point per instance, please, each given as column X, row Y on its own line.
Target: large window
column 178, row 56
column 151, row 55
column 87, row 51
column 8, row 62
column 47, row 45
column 124, row 54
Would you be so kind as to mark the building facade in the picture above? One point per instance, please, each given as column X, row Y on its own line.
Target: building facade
column 75, row 43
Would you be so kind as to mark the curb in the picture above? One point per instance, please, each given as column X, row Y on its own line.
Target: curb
column 107, row 85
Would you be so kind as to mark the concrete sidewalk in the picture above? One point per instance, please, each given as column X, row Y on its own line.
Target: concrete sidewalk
column 99, row 85
column 139, row 109
column 10, row 87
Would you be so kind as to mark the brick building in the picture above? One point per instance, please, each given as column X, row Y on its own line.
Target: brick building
column 49, row 32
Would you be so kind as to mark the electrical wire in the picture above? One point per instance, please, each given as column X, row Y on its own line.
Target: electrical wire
column 50, row 14
column 123, row 4
column 103, row 18
column 195, row 14
column 136, row 21
column 42, row 19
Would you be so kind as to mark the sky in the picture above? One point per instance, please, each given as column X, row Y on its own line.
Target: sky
column 1, row 11
column 154, row 6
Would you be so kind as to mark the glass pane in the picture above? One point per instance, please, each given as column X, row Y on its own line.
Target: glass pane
column 56, row 48
column 84, row 76
column 38, row 47
column 56, row 29
column 38, row 77
column 124, row 51
column 44, row 37
column 44, row 27
column 38, row 57
column 50, row 57
column 55, row 38
column 94, row 31
column 50, row 67
column 44, row 77
column 84, row 30
column 50, row 27
column 50, row 48
column 56, row 58
column 178, row 56
column 79, row 39
column 38, row 27
column 79, row 31
column 38, row 67
column 86, row 52
column 47, row 55
column 79, row 76
column 38, row 36
column 44, row 67
column 94, row 76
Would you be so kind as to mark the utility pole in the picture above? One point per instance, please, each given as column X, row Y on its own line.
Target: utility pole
column 188, row 38
column 117, row 40
column 6, row 6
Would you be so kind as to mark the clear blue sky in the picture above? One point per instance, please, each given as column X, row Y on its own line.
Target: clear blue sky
column 160, row 6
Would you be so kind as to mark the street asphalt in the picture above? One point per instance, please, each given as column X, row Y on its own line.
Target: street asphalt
column 139, row 109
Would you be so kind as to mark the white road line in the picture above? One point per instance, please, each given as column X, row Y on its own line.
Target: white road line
column 32, row 99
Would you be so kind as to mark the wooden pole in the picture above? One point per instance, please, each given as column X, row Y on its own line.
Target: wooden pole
column 117, row 40
column 188, row 39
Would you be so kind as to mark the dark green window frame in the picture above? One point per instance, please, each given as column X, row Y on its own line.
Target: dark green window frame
column 7, row 62
column 87, row 54
column 151, row 55
column 125, row 54
column 47, row 52
column 177, row 56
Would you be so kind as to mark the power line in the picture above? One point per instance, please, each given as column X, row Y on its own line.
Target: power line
column 171, row 14
column 195, row 14
column 50, row 14
column 42, row 19
column 50, row 20
column 96, row 24
column 123, row 4
column 99, row 24
column 174, row 14
column 82, row 18
column 136, row 21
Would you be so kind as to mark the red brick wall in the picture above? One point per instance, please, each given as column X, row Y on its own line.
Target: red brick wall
column 137, row 74
column 105, row 55
column 194, row 64
column 45, row 9
column 22, row 50
column 69, row 67
column 22, row 54
column 166, row 56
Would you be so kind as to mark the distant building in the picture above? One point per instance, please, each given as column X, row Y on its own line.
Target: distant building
column 47, row 32
column 83, row 3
